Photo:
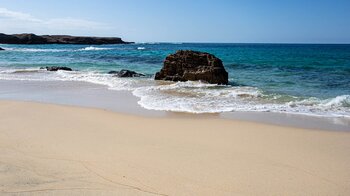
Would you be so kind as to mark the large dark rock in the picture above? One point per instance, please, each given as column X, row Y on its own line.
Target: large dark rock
column 57, row 39
column 55, row 68
column 187, row 65
column 124, row 73
column 2, row 49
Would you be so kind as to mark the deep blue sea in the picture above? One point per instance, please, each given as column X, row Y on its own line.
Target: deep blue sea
column 292, row 78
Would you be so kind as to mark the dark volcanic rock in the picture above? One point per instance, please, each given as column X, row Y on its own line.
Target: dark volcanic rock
column 187, row 65
column 127, row 73
column 124, row 73
column 2, row 49
column 113, row 72
column 54, row 68
column 57, row 39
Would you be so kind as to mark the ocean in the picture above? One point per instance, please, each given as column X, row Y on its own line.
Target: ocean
column 305, row 79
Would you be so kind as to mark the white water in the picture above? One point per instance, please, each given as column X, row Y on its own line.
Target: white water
column 89, row 48
column 92, row 48
column 193, row 97
column 34, row 50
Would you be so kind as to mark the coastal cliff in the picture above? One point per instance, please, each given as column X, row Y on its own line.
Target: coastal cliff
column 58, row 39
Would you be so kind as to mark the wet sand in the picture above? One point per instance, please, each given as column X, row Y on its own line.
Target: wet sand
column 90, row 95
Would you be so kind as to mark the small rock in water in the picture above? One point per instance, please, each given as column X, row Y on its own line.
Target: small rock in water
column 187, row 65
column 124, row 73
column 2, row 49
column 113, row 72
column 55, row 68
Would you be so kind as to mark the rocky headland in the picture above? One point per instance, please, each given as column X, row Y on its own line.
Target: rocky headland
column 58, row 39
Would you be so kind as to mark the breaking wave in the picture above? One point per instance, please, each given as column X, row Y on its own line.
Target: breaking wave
column 92, row 48
column 34, row 50
column 195, row 97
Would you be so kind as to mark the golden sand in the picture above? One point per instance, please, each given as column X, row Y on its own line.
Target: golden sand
column 60, row 150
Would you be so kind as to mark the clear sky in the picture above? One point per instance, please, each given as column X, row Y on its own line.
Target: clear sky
column 241, row 21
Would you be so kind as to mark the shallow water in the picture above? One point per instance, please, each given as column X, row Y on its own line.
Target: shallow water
column 283, row 78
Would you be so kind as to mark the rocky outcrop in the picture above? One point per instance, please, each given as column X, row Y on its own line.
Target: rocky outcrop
column 2, row 49
column 57, row 39
column 187, row 65
column 124, row 73
column 55, row 68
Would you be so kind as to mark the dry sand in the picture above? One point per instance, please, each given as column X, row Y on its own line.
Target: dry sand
column 59, row 150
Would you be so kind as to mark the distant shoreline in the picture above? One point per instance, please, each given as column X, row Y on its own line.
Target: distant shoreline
column 30, row 39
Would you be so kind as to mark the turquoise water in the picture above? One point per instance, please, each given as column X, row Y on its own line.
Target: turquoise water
column 296, row 78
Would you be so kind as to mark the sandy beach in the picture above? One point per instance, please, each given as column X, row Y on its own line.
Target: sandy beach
column 63, row 150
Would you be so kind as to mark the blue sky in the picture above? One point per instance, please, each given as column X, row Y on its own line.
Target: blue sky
column 245, row 21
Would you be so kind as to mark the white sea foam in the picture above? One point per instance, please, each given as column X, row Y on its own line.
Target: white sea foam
column 25, row 70
column 108, row 80
column 26, row 74
column 92, row 48
column 193, row 97
column 141, row 48
column 34, row 50
column 340, row 101
column 332, row 103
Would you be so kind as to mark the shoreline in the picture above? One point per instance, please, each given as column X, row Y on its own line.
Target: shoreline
column 60, row 150
column 84, row 94
column 278, row 90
